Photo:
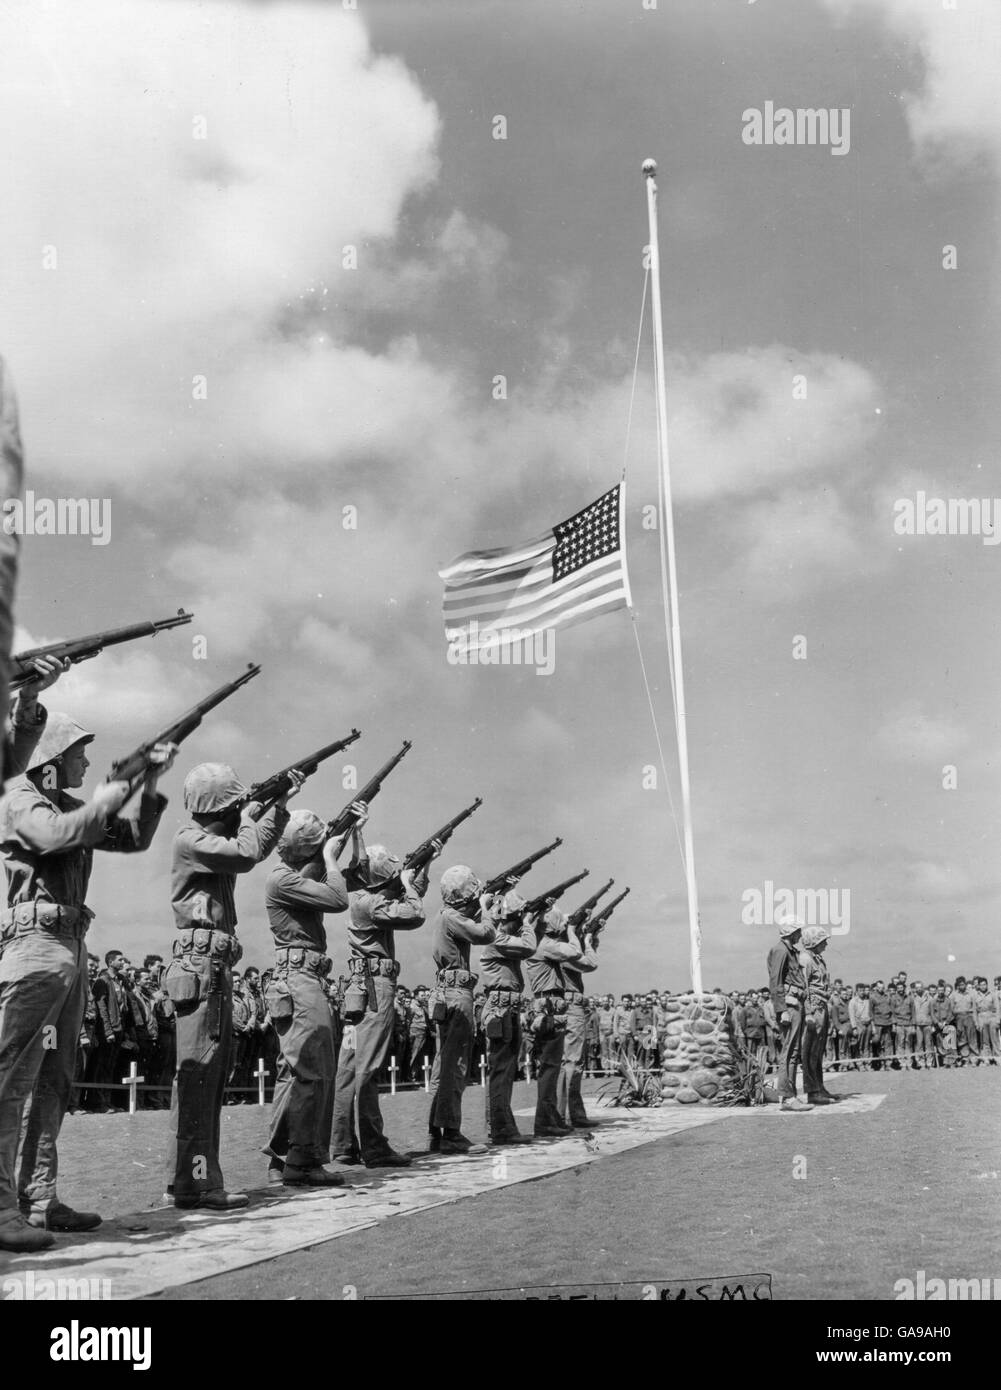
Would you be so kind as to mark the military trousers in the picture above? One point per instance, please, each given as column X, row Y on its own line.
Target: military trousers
column 568, row 1097
column 302, row 1109
column 814, row 1043
column 548, row 1054
column 502, row 1072
column 193, row 1165
column 792, row 1046
column 452, row 1057
column 357, row 1076
column 43, row 994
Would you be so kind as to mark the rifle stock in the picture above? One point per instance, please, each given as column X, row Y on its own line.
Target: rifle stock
column 599, row 920
column 577, row 917
column 266, row 793
column 520, row 869
column 535, row 905
column 83, row 648
column 343, row 822
column 424, row 853
column 135, row 765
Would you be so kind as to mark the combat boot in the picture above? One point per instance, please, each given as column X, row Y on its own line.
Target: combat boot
column 59, row 1217
column 316, row 1176
column 21, row 1239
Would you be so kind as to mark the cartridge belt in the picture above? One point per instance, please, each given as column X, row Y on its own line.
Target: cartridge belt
column 374, row 965
column 208, row 941
column 457, row 979
column 503, row 994
column 573, row 996
column 302, row 958
column 39, row 915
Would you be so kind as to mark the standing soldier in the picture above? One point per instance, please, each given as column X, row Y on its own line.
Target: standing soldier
column 220, row 842
column 568, row 1097
column 390, row 901
column 48, row 840
column 307, row 885
column 788, row 990
column 500, row 966
column 545, row 971
column 458, row 927
column 817, row 983
column 625, row 1029
column 606, row 1031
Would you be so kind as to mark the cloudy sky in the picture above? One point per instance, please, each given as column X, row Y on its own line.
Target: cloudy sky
column 180, row 184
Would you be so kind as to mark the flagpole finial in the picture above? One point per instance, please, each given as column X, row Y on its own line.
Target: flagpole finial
column 649, row 168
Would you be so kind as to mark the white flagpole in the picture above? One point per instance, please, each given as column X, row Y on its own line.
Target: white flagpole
column 695, row 934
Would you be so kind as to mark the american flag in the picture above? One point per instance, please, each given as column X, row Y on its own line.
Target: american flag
column 574, row 572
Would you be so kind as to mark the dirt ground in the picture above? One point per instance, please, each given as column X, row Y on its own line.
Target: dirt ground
column 832, row 1207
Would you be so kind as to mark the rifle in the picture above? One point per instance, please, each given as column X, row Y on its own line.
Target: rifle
column 424, row 853
column 83, row 648
column 135, row 765
column 598, row 921
column 519, row 870
column 535, row 905
column 343, row 822
column 266, row 793
column 576, row 919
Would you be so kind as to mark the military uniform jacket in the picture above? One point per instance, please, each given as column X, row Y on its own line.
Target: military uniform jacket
column 500, row 962
column 545, row 967
column 296, row 905
column 454, row 933
column 574, row 974
column 785, row 975
column 204, row 869
column 376, row 916
column 48, row 842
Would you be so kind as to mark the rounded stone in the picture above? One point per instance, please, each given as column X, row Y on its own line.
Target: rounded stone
column 674, row 1028
column 670, row 1080
column 673, row 1065
column 702, row 1025
column 686, row 1096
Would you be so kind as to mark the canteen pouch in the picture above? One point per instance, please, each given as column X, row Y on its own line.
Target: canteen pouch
column 495, row 1026
column 438, row 1011
column 182, row 986
column 355, row 1000
column 278, row 999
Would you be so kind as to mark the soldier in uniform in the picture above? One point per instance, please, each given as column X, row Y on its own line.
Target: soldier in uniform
column 545, row 972
column 788, row 990
column 390, row 901
column 568, row 1097
column 817, row 984
column 220, row 842
column 306, row 885
column 48, row 840
column 500, row 972
column 418, row 1032
column 459, row 926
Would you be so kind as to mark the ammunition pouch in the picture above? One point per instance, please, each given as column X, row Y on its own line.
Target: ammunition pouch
column 302, row 958
column 573, row 997
column 278, row 998
column 208, row 941
column 456, row 979
column 40, row 916
column 374, row 965
column 355, row 999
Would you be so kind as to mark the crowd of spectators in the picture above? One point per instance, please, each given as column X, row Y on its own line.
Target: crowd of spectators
column 894, row 1024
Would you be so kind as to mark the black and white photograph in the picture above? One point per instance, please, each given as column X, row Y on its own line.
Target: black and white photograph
column 499, row 622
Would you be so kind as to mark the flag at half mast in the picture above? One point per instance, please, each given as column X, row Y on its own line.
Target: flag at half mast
column 574, row 572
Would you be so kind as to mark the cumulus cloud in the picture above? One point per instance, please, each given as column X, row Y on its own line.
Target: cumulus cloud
column 955, row 117
column 177, row 255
